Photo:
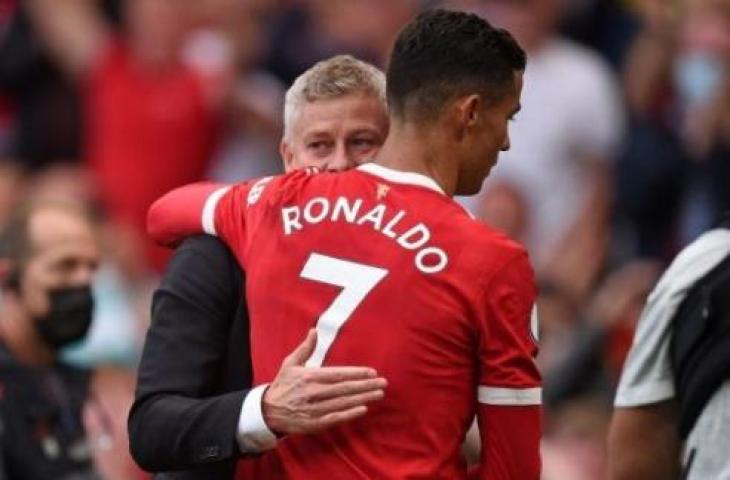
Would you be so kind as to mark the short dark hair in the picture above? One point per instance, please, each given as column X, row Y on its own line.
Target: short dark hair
column 443, row 53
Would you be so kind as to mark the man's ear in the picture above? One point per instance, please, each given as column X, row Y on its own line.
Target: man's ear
column 287, row 155
column 468, row 110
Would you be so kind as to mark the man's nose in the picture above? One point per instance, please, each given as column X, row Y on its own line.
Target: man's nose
column 506, row 144
column 341, row 159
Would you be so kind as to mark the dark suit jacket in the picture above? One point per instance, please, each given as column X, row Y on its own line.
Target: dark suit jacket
column 196, row 367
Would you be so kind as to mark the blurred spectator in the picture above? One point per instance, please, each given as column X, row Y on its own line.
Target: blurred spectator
column 575, row 448
column 506, row 210
column 150, row 117
column 605, row 25
column 42, row 106
column 8, row 10
column 582, row 350
column 312, row 30
column 672, row 179
column 12, row 187
column 586, row 356
column 115, row 335
column 564, row 140
column 113, row 343
column 368, row 28
column 253, row 113
column 49, row 255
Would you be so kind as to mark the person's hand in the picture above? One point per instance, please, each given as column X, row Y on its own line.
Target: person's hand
column 306, row 400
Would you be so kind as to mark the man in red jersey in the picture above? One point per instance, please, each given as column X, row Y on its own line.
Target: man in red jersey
column 394, row 274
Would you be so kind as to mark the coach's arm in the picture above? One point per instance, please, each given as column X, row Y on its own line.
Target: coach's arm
column 195, row 370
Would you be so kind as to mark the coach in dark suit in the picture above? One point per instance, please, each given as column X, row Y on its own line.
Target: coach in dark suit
column 195, row 373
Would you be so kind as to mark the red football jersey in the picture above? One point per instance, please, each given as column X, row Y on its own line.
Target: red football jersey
column 397, row 276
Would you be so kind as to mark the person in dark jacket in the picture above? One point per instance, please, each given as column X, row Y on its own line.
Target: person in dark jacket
column 48, row 255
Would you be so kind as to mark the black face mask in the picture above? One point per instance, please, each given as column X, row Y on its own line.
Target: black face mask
column 69, row 317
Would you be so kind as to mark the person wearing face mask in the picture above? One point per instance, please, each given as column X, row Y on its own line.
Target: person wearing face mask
column 48, row 255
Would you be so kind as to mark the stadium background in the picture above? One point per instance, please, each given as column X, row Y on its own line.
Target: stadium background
column 620, row 156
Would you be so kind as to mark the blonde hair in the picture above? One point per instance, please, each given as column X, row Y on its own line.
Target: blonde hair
column 332, row 78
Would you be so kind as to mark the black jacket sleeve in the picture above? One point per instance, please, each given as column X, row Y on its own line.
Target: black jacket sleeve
column 195, row 368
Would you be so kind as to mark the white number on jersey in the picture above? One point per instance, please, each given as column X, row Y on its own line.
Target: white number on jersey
column 356, row 280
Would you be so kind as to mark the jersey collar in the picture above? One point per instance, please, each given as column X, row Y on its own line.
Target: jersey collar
column 398, row 176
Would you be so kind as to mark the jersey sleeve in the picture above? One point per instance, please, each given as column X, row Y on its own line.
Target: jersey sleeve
column 211, row 208
column 509, row 392
column 180, row 213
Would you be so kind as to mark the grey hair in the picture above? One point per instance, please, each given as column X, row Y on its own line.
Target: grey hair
column 332, row 78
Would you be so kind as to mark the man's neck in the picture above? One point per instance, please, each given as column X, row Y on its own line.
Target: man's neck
column 30, row 353
column 416, row 149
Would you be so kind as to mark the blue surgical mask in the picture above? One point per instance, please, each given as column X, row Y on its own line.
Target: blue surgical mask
column 697, row 76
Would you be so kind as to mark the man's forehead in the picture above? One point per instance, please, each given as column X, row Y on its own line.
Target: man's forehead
column 349, row 111
column 69, row 250
column 52, row 229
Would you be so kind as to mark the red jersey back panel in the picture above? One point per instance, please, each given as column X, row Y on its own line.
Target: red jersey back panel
column 396, row 276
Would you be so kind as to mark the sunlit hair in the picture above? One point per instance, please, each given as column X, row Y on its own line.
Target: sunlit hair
column 332, row 78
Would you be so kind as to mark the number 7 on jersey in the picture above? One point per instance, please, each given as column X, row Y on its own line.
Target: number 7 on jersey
column 356, row 280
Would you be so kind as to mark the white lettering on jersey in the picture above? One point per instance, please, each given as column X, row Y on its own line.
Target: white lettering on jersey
column 374, row 216
column 411, row 239
column 388, row 229
column 324, row 209
column 256, row 190
column 349, row 211
column 208, row 217
column 357, row 281
column 428, row 258
column 425, row 266
column 290, row 216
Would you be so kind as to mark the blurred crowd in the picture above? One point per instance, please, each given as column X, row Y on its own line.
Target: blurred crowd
column 620, row 155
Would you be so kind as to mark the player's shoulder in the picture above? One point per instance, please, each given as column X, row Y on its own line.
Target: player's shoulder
column 479, row 232
column 277, row 188
column 484, row 248
column 305, row 182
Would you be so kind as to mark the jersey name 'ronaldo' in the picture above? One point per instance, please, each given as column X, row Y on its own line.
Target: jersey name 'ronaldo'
column 394, row 275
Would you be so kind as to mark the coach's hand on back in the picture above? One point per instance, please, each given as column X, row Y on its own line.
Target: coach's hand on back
column 309, row 399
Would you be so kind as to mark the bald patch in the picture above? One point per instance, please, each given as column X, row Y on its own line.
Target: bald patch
column 53, row 227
